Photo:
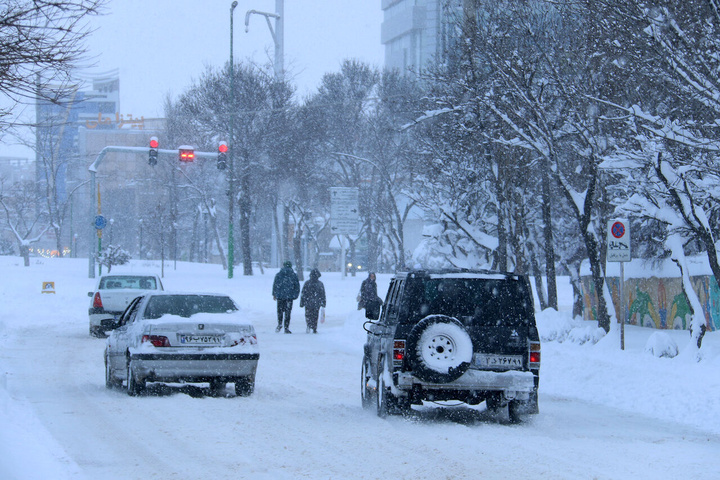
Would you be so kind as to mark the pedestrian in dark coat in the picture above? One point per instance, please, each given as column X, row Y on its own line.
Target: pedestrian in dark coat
column 286, row 288
column 312, row 298
column 368, row 297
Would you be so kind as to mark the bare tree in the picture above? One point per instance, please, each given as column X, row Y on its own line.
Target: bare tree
column 41, row 42
column 24, row 215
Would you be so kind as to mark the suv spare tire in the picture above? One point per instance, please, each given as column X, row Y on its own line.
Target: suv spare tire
column 439, row 349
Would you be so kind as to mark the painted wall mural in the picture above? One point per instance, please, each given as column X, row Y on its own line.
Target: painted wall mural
column 656, row 302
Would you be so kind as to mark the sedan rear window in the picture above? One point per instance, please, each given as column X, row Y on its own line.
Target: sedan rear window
column 129, row 281
column 187, row 305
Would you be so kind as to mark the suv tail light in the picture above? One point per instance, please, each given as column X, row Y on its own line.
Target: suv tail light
column 97, row 301
column 398, row 352
column 156, row 340
column 534, row 355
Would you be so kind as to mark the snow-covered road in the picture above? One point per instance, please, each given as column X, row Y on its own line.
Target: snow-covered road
column 304, row 419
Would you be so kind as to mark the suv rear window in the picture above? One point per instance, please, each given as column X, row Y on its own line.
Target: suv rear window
column 481, row 301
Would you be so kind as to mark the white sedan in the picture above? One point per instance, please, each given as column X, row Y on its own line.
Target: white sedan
column 113, row 294
column 182, row 337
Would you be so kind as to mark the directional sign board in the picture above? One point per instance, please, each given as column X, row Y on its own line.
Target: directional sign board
column 618, row 241
column 344, row 211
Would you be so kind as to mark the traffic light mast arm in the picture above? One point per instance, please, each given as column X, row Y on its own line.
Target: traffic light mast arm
column 93, row 170
column 142, row 150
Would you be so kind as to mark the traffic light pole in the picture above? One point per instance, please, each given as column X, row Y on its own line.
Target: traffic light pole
column 231, row 141
column 93, row 192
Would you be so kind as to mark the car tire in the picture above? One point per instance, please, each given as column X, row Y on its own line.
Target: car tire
column 387, row 403
column 366, row 393
column 439, row 349
column 245, row 386
column 110, row 380
column 134, row 386
column 217, row 387
column 516, row 411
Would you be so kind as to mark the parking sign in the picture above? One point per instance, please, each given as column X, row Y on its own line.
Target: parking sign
column 618, row 241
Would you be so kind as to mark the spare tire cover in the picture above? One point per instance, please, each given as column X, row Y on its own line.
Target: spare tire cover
column 439, row 349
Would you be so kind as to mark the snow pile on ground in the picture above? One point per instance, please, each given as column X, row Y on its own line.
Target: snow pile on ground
column 660, row 344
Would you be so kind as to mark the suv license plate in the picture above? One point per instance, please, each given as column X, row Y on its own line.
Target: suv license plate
column 507, row 362
column 199, row 339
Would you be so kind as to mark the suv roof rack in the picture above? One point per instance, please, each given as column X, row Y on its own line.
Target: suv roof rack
column 441, row 271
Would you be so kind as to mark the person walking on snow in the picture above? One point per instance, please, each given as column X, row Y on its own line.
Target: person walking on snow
column 286, row 288
column 312, row 298
column 368, row 291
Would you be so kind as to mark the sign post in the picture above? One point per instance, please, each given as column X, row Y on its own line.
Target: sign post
column 344, row 216
column 618, row 250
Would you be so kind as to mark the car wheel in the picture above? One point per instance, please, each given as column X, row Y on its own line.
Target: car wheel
column 217, row 387
column 385, row 401
column 245, row 386
column 439, row 349
column 110, row 380
column 366, row 391
column 515, row 411
column 134, row 386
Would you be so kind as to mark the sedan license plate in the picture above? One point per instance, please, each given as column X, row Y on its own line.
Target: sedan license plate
column 200, row 339
column 507, row 362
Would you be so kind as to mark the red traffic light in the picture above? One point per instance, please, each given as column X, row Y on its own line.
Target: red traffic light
column 187, row 155
column 222, row 148
column 154, row 142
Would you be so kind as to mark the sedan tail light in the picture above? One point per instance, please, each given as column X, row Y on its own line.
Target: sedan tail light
column 534, row 355
column 97, row 301
column 156, row 340
column 245, row 340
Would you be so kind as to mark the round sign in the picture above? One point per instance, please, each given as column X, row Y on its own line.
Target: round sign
column 618, row 229
column 100, row 222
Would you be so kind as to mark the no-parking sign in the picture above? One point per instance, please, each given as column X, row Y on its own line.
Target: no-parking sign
column 618, row 241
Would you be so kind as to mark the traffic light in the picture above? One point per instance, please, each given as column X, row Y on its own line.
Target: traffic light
column 153, row 154
column 222, row 156
column 186, row 154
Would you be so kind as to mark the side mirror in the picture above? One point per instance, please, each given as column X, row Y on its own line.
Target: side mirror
column 90, row 294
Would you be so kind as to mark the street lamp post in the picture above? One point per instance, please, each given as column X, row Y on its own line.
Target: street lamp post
column 231, row 170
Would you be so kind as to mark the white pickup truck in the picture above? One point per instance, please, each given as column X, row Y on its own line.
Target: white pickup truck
column 113, row 294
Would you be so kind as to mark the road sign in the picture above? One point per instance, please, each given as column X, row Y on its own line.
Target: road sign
column 344, row 210
column 618, row 241
column 100, row 222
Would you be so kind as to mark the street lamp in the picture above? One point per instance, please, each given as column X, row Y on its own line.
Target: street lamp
column 231, row 170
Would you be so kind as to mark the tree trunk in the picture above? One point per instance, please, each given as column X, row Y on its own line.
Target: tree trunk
column 603, row 318
column 372, row 247
column 697, row 324
column 245, row 225
column 214, row 226
column 25, row 253
column 297, row 252
column 537, row 273
column 549, row 242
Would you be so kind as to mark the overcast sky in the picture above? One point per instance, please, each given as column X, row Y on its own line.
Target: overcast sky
column 161, row 46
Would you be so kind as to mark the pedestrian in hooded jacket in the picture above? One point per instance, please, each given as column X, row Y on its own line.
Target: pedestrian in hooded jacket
column 312, row 298
column 286, row 288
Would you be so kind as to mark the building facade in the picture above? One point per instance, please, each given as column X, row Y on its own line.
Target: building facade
column 417, row 33
column 70, row 135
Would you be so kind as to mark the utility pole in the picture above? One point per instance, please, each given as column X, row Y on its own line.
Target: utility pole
column 231, row 155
